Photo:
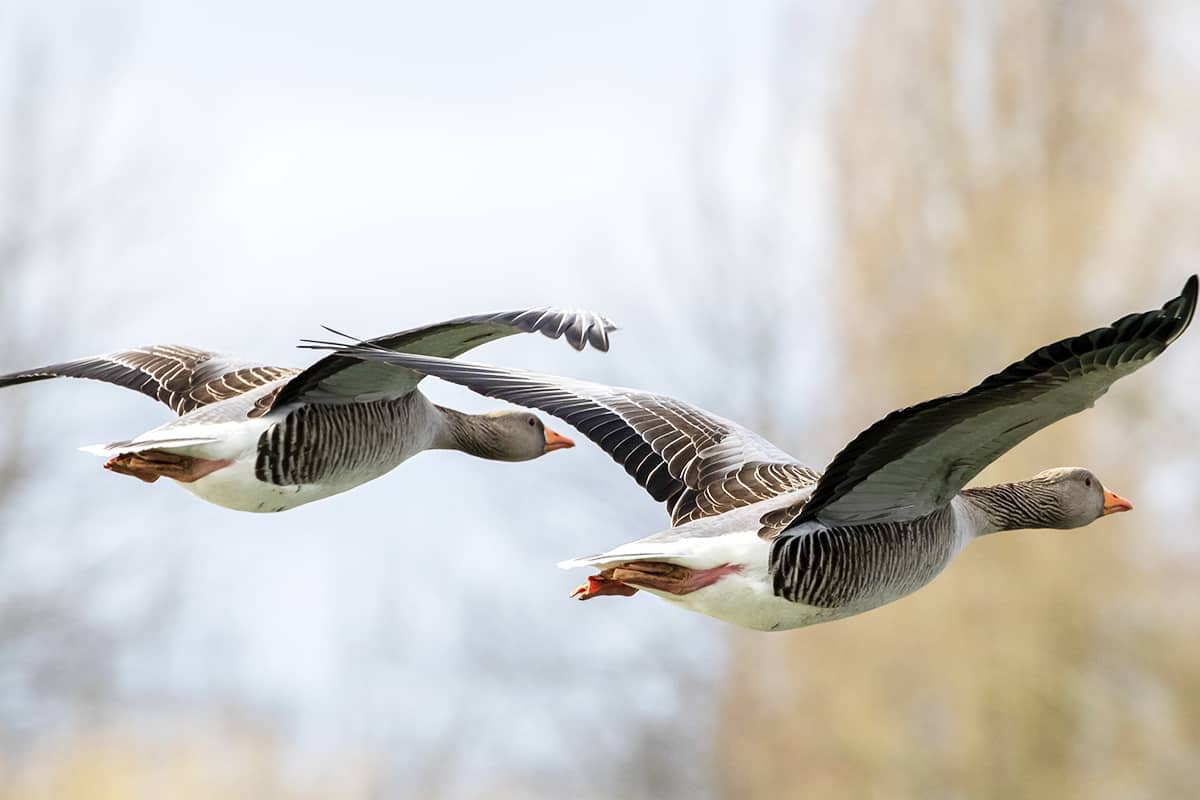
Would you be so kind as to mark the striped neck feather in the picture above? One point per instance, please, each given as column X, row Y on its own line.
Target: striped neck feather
column 1015, row 506
column 473, row 434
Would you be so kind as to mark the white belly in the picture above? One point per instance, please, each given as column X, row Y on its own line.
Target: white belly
column 750, row 603
column 747, row 598
column 236, row 487
column 235, row 438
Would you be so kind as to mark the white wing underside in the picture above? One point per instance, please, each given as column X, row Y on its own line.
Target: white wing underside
column 692, row 543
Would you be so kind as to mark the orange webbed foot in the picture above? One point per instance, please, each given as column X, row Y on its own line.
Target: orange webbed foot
column 598, row 585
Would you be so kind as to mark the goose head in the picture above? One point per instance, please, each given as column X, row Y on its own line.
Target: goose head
column 521, row 436
column 1072, row 497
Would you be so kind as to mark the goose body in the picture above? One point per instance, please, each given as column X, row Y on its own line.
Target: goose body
column 297, row 454
column 743, row 596
column 845, row 571
column 762, row 541
column 265, row 439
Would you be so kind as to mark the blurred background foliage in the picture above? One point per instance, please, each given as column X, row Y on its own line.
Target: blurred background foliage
column 986, row 155
column 896, row 199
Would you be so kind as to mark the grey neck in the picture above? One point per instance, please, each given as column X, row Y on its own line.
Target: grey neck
column 1012, row 506
column 472, row 434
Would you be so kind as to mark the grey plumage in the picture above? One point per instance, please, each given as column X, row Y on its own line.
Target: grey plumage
column 1052, row 382
column 337, row 377
column 888, row 513
column 183, row 378
column 1011, row 506
column 314, row 444
column 878, row 562
column 915, row 459
column 699, row 464
column 246, row 430
column 873, row 563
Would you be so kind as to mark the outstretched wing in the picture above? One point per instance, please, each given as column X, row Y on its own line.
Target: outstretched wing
column 184, row 378
column 340, row 378
column 916, row 459
column 698, row 463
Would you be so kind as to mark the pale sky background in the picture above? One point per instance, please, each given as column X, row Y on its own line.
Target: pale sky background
column 378, row 166
column 375, row 167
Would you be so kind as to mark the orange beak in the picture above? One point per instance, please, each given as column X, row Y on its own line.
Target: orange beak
column 556, row 441
column 1114, row 503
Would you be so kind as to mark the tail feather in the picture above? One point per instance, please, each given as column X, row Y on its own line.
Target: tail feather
column 132, row 446
column 606, row 559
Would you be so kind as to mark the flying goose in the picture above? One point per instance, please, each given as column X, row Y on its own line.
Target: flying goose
column 763, row 541
column 253, row 437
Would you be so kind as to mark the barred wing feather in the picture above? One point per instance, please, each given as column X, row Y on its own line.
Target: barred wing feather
column 339, row 378
column 183, row 378
column 699, row 464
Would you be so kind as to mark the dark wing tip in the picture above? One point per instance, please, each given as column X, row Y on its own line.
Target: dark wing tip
column 579, row 328
column 597, row 332
column 1186, row 305
column 17, row 378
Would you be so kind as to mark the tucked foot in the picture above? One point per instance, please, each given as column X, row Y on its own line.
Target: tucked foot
column 671, row 578
column 122, row 466
column 150, row 465
column 600, row 585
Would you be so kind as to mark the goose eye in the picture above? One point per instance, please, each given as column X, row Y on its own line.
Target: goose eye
column 1087, row 481
column 533, row 422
